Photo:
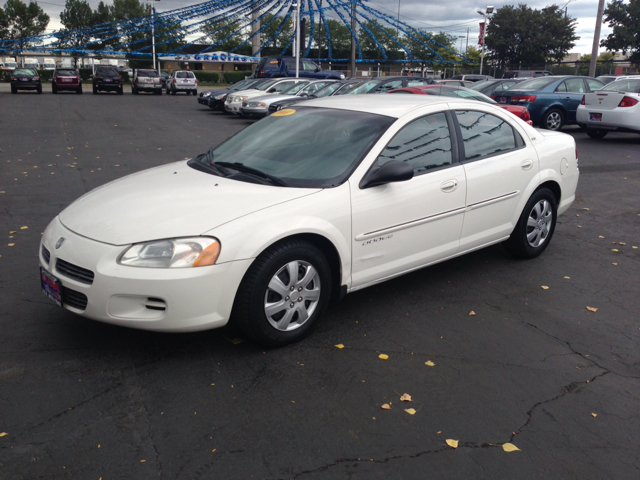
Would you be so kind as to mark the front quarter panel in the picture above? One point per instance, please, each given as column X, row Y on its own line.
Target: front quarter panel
column 326, row 213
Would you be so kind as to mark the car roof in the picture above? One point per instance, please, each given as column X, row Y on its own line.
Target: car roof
column 389, row 105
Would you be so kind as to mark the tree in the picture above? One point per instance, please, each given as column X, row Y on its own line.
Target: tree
column 624, row 19
column 20, row 21
column 473, row 56
column 77, row 18
column 421, row 53
column 384, row 36
column 280, row 40
column 603, row 58
column 220, row 29
column 521, row 34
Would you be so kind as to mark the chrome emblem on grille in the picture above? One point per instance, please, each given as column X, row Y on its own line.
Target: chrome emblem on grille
column 60, row 242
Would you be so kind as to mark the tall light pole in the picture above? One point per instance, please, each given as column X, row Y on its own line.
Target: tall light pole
column 153, row 34
column 297, row 42
column 596, row 40
column 461, row 37
column 489, row 11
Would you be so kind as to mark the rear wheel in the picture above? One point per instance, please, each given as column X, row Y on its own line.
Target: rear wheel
column 95, row 90
column 595, row 133
column 553, row 120
column 283, row 294
column 195, row 93
column 53, row 88
column 14, row 89
column 535, row 227
column 39, row 90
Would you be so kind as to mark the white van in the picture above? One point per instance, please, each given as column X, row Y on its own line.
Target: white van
column 9, row 63
column 31, row 63
column 49, row 64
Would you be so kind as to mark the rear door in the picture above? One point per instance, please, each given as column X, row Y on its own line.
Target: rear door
column 571, row 92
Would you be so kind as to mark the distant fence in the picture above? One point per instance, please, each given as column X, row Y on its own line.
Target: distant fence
column 579, row 67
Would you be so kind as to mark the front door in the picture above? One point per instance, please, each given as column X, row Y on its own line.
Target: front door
column 405, row 225
column 571, row 92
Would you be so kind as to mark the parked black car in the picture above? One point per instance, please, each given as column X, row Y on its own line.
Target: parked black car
column 25, row 79
column 274, row 67
column 107, row 78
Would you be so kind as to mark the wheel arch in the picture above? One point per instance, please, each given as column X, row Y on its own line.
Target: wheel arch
column 554, row 187
column 555, row 106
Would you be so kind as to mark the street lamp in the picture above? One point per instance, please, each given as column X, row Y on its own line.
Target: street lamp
column 153, row 34
column 296, row 52
column 489, row 11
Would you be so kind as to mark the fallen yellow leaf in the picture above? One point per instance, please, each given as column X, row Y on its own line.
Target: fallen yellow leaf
column 23, row 228
column 567, row 278
column 386, row 406
column 544, row 287
column 410, row 411
column 3, row 434
column 510, row 447
column 339, row 345
column 635, row 247
column 10, row 244
column 594, row 415
column 452, row 443
column 600, row 236
column 592, row 309
column 383, row 356
column 142, row 461
column 614, row 249
column 212, row 451
column 406, row 398
column 472, row 313
column 13, row 231
column 622, row 243
column 430, row 364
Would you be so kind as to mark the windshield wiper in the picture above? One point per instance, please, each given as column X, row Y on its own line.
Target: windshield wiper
column 206, row 159
column 243, row 168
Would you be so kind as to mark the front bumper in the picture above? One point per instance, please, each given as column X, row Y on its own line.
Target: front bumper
column 26, row 85
column 255, row 112
column 233, row 107
column 159, row 299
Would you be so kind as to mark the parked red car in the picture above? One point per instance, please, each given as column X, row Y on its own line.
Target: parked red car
column 66, row 79
column 462, row 92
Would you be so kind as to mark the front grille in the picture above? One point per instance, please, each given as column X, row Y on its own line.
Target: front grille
column 70, row 270
column 45, row 254
column 74, row 299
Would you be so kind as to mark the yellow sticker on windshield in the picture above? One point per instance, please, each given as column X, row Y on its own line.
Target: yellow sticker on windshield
column 283, row 113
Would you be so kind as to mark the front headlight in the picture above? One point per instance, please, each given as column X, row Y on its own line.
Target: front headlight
column 206, row 94
column 172, row 253
column 220, row 97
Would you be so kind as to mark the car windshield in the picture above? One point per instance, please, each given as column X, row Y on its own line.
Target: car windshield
column 107, row 72
column 305, row 147
column 265, row 85
column 364, row 87
column 147, row 73
column 480, row 85
column 466, row 93
column 66, row 72
column 630, row 85
column 242, row 85
column 11, row 64
column 535, row 84
column 346, row 88
column 295, row 88
column 328, row 90
column 24, row 71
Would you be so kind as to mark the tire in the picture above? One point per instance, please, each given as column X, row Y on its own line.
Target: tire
column 195, row 93
column 121, row 91
column 79, row 91
column 535, row 226
column 14, row 89
column 552, row 120
column 597, row 134
column 54, row 90
column 263, row 308
column 95, row 91
column 173, row 92
column 160, row 92
column 134, row 90
column 39, row 90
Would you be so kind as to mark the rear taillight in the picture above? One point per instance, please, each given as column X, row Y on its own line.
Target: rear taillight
column 36, row 78
column 582, row 102
column 14, row 78
column 526, row 115
column 175, row 81
column 576, row 152
column 119, row 79
column 628, row 102
column 95, row 78
column 196, row 81
column 523, row 98
column 492, row 97
column 261, row 73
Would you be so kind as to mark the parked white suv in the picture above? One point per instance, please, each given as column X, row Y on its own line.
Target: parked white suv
column 182, row 81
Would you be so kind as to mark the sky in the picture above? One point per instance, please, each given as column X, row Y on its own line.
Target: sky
column 453, row 18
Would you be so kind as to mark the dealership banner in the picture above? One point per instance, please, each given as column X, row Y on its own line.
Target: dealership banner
column 481, row 38
column 215, row 57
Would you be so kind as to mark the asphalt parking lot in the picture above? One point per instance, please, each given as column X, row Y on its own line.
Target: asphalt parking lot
column 533, row 366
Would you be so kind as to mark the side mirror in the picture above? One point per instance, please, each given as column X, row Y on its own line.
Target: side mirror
column 393, row 171
column 317, row 69
column 271, row 90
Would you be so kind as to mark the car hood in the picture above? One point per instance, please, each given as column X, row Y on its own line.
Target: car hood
column 169, row 201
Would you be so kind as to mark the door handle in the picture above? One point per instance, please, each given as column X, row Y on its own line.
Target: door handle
column 449, row 186
column 526, row 164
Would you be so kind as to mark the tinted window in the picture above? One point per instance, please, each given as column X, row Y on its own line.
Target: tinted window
column 465, row 93
column 484, row 134
column 308, row 66
column 365, row 87
column 66, row 72
column 295, row 88
column 147, row 73
column 24, row 71
column 328, row 90
column 184, row 75
column 479, row 86
column 424, row 144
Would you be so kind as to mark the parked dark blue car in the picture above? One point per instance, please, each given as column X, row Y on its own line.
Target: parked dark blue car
column 273, row 67
column 552, row 101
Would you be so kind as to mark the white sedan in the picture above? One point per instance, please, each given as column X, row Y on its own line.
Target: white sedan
column 613, row 108
column 306, row 205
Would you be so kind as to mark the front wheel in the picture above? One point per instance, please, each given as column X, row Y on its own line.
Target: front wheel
column 39, row 90
column 283, row 294
column 535, row 226
column 95, row 91
column 553, row 120
column 595, row 133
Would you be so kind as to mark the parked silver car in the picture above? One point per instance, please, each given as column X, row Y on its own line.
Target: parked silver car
column 146, row 81
column 182, row 81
